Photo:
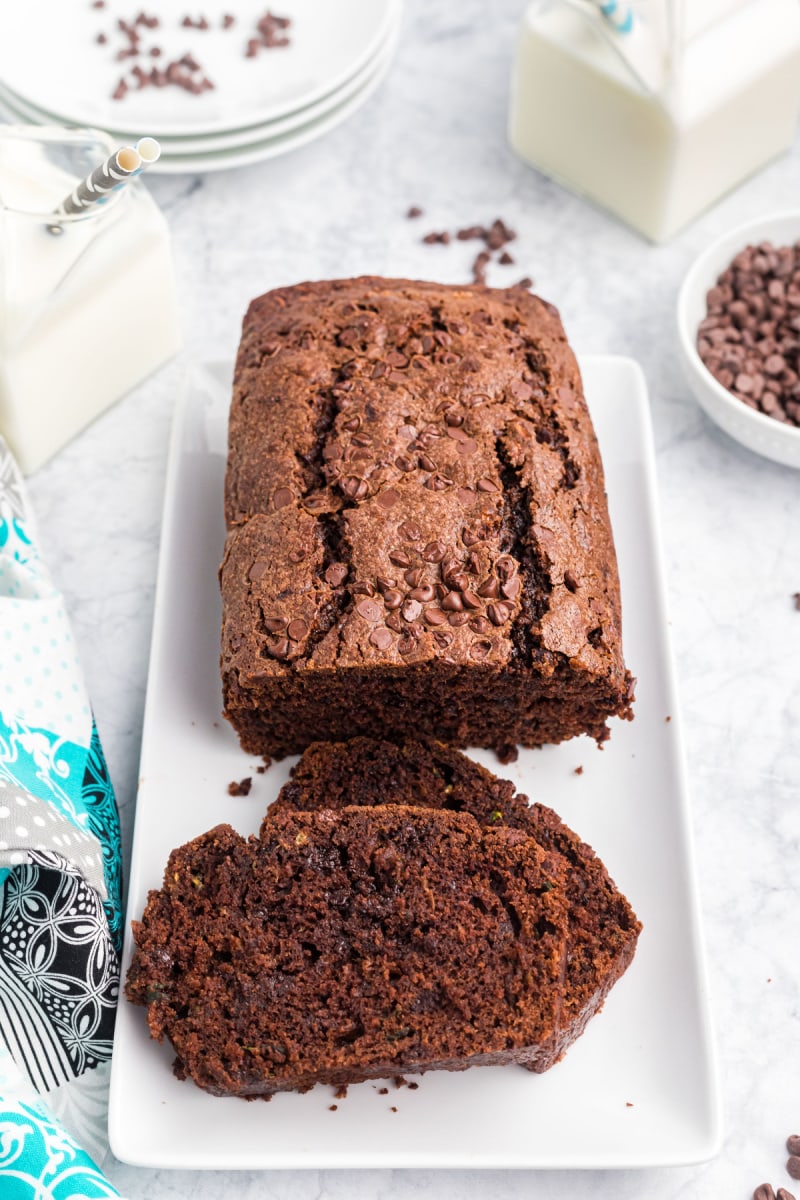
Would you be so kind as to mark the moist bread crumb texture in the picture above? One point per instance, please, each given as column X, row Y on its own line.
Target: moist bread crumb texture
column 342, row 946
column 602, row 929
column 401, row 910
column 418, row 534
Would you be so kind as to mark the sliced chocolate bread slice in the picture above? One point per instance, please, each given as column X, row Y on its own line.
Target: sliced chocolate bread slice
column 603, row 929
column 346, row 945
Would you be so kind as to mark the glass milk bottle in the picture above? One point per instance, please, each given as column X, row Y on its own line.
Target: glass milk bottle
column 87, row 301
column 655, row 109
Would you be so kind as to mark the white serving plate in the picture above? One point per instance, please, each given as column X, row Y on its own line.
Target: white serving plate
column 201, row 144
column 329, row 44
column 639, row 1088
column 254, row 145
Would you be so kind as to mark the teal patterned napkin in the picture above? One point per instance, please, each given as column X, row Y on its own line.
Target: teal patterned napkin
column 60, row 884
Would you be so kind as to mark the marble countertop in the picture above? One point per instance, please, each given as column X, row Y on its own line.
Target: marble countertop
column 434, row 135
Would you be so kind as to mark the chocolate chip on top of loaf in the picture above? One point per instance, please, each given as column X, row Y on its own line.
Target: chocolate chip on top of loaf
column 418, row 529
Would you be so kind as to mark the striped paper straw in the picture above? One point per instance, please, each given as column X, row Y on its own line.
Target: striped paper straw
column 112, row 174
column 618, row 14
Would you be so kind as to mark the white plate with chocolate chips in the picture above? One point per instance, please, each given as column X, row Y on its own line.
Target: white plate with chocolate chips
column 177, row 75
column 639, row 1087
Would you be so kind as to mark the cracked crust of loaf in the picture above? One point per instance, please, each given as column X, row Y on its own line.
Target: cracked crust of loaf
column 415, row 506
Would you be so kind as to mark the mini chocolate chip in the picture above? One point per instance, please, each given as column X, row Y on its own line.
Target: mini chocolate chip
column 470, row 599
column 258, row 570
column 452, row 602
column 466, row 495
column 363, row 588
column 274, row 624
column 510, row 588
column 369, row 610
column 793, row 1143
column 381, row 638
column 434, row 552
column 498, row 614
column 354, row 488
column 486, row 485
column 404, row 463
column 385, row 583
column 414, row 577
column 480, row 649
column 427, row 463
column 361, row 439
column 296, row 556
column 490, row 589
column 435, row 616
column 437, row 483
column 392, row 598
column 456, row 433
column 388, row 498
column 281, row 498
column 469, row 537
column 459, row 581
column 394, row 622
column 457, row 618
column 297, row 629
column 443, row 638
column 336, row 574
column 279, row 648
column 453, row 418
column 352, row 424
column 409, row 530
column 480, row 625
column 424, row 593
column 472, row 564
column 505, row 567
column 399, row 558
column 411, row 610
column 467, row 447
column 570, row 582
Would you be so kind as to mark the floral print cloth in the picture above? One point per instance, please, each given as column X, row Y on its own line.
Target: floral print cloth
column 60, row 885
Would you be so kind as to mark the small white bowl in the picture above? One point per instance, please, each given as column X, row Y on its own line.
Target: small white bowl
column 753, row 429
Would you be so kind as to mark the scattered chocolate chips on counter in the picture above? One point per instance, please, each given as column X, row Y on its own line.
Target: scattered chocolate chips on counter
column 240, row 788
column 183, row 71
column 750, row 338
column 793, row 1165
column 495, row 238
column 784, row 1195
column 764, row 1191
column 414, row 212
column 796, row 598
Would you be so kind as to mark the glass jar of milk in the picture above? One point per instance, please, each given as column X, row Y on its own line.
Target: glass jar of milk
column 87, row 302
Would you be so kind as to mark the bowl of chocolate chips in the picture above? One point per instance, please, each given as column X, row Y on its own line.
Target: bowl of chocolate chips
column 739, row 333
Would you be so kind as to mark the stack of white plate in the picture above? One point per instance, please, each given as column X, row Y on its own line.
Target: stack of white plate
column 59, row 64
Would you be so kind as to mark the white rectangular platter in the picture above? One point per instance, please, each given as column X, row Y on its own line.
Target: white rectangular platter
column 639, row 1088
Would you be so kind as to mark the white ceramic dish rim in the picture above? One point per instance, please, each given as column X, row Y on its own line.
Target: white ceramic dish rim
column 241, row 136
column 702, row 275
column 677, row 1116
column 271, row 147
column 386, row 20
